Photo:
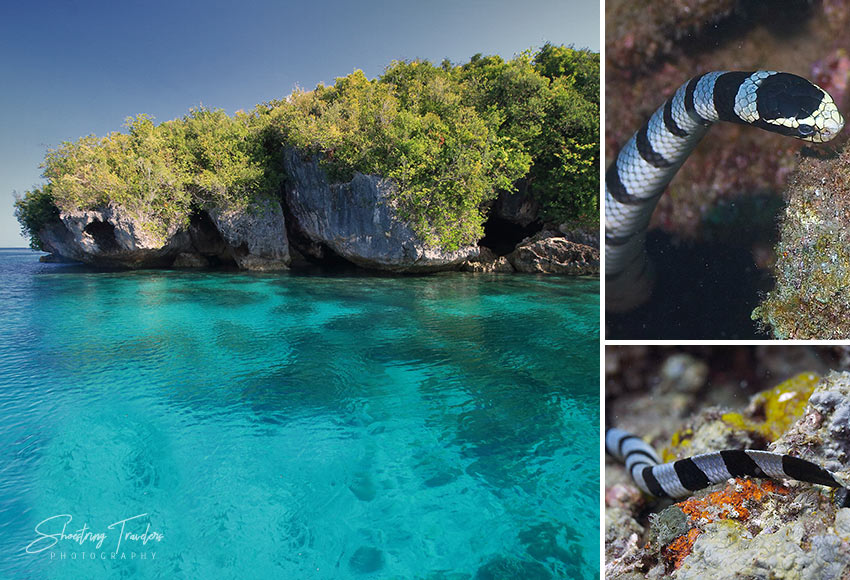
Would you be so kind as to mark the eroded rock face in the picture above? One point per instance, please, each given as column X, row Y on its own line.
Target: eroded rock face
column 550, row 253
column 517, row 207
column 580, row 235
column 357, row 222
column 487, row 262
column 255, row 236
column 190, row 260
column 353, row 222
column 111, row 237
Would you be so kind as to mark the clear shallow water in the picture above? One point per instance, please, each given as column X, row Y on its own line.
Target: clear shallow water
column 286, row 426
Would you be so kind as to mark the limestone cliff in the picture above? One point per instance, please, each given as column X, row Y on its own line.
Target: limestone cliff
column 253, row 237
column 111, row 236
column 357, row 221
column 256, row 236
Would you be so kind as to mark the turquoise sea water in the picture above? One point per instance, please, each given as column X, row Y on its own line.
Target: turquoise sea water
column 296, row 426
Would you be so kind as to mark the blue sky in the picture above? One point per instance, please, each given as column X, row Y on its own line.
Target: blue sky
column 70, row 68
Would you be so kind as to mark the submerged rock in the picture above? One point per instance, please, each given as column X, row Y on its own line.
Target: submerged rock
column 366, row 560
column 824, row 429
column 502, row 568
column 357, row 221
column 54, row 259
column 363, row 486
column 792, row 549
column 550, row 253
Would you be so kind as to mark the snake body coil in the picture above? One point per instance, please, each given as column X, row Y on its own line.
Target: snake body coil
column 681, row 478
column 775, row 101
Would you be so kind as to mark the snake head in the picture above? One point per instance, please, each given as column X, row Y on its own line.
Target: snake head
column 825, row 123
column 793, row 106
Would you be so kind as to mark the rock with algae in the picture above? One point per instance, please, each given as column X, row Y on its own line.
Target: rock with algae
column 811, row 298
column 775, row 409
column 639, row 33
column 728, row 549
column 750, row 528
column 824, row 429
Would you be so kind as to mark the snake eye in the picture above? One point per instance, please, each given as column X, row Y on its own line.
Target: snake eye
column 805, row 130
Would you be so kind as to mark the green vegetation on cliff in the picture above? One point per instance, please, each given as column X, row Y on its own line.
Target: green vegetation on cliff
column 451, row 137
column 549, row 108
column 156, row 172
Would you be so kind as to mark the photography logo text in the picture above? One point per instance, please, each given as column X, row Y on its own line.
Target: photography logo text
column 61, row 538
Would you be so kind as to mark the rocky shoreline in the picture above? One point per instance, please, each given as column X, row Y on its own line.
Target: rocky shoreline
column 314, row 221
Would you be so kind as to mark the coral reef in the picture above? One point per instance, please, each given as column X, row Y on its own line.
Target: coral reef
column 636, row 35
column 746, row 528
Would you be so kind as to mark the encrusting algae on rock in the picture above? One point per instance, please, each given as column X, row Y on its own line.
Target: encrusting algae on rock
column 734, row 502
column 811, row 298
column 777, row 408
column 749, row 528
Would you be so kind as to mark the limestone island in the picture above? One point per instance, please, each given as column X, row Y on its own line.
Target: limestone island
column 488, row 166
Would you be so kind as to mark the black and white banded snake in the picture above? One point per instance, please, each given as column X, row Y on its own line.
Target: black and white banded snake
column 775, row 101
column 681, row 478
